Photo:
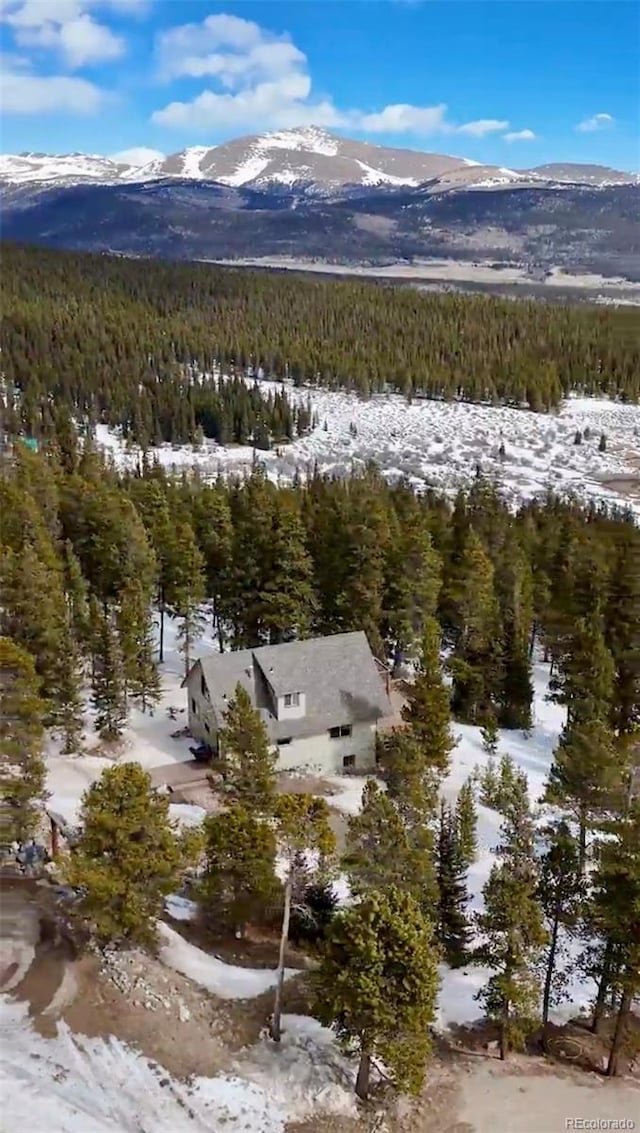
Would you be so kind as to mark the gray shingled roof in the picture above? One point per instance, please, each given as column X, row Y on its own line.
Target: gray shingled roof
column 337, row 674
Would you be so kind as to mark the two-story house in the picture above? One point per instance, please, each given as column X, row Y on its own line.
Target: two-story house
column 321, row 700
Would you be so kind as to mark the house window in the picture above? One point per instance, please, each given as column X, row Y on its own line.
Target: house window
column 206, row 727
column 348, row 761
column 341, row 730
column 203, row 687
column 286, row 740
column 194, row 706
column 292, row 699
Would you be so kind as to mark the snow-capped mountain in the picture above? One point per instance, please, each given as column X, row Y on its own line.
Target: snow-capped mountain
column 62, row 169
column 307, row 156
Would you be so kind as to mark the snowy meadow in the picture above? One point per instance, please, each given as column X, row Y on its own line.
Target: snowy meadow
column 439, row 444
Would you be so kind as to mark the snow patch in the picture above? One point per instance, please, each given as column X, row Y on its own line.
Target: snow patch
column 227, row 981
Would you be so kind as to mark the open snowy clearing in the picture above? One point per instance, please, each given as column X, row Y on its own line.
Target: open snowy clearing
column 439, row 444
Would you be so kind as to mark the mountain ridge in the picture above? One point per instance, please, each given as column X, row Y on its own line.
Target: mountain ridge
column 303, row 156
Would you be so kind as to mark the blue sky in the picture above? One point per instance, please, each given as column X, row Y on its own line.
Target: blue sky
column 512, row 83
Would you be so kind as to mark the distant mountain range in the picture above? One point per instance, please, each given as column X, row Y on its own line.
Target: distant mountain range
column 306, row 193
column 307, row 156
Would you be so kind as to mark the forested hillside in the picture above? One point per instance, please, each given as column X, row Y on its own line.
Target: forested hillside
column 87, row 552
column 91, row 557
column 124, row 341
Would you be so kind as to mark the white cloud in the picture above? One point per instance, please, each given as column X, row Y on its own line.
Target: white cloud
column 137, row 155
column 482, row 127
column 260, row 80
column 24, row 93
column 402, row 118
column 597, row 122
column 65, row 26
column 520, row 136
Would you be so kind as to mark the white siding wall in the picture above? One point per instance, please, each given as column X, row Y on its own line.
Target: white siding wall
column 293, row 711
column 319, row 754
column 202, row 713
column 323, row 755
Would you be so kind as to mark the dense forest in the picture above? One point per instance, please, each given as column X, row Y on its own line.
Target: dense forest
column 91, row 557
column 123, row 341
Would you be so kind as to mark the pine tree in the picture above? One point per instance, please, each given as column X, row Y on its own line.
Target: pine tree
column 136, row 639
column 466, row 820
column 475, row 663
column 22, row 770
column 427, row 712
column 108, row 696
column 413, row 571
column 560, row 892
column 186, row 588
column 77, row 594
column 490, row 737
column 249, row 759
column 452, row 928
column 68, row 714
column 622, row 627
column 411, row 783
column 587, row 776
column 377, row 985
column 511, row 929
column 584, row 683
column 239, row 884
column 616, row 900
column 128, row 856
column 379, row 850
column 302, row 827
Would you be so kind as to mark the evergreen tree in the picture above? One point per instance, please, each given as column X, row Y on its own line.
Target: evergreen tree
column 616, row 901
column 587, row 776
column 475, row 663
column 128, row 856
column 186, row 588
column 490, row 737
column 413, row 571
column 77, row 594
column 302, row 827
column 239, row 883
column 377, row 986
column 452, row 927
column 411, row 783
column 22, row 771
column 515, row 593
column 379, row 851
column 249, row 759
column 312, row 915
column 561, row 892
column 622, row 627
column 512, row 930
column 585, row 679
column 427, row 712
column 136, row 639
column 466, row 820
column 108, row 696
column 67, row 713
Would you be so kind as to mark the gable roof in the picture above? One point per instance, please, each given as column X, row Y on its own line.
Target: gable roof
column 338, row 676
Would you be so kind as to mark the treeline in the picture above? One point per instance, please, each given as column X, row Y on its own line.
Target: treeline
column 109, row 339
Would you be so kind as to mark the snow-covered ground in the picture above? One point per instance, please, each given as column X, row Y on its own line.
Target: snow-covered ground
column 74, row 1084
column 227, row 981
column 438, row 443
